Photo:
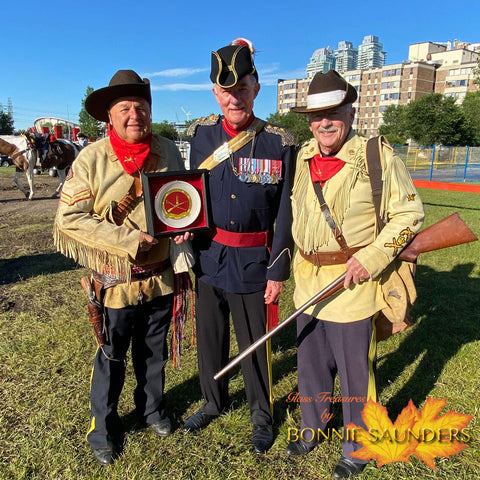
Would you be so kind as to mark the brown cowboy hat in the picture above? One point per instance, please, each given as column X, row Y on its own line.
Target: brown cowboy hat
column 327, row 90
column 125, row 83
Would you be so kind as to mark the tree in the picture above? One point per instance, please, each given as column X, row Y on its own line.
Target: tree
column 165, row 129
column 394, row 125
column 297, row 123
column 436, row 119
column 476, row 73
column 6, row 124
column 184, row 135
column 90, row 126
column 471, row 111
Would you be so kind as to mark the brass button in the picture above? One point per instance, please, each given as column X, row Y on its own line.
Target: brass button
column 232, row 222
column 233, row 195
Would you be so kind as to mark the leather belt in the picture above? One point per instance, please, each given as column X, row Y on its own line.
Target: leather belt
column 147, row 271
column 109, row 277
column 247, row 239
column 329, row 258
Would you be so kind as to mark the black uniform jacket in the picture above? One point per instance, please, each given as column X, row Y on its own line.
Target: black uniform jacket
column 245, row 207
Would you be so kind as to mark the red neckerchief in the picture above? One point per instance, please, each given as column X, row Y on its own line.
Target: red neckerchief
column 324, row 168
column 132, row 156
column 231, row 131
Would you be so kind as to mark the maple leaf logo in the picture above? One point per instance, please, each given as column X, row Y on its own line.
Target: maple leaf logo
column 423, row 433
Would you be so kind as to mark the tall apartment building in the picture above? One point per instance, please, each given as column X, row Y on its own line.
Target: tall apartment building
column 322, row 60
column 370, row 53
column 346, row 57
column 396, row 84
column 431, row 67
column 291, row 93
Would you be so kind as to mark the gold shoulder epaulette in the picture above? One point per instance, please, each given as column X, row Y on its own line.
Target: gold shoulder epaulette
column 204, row 121
column 288, row 139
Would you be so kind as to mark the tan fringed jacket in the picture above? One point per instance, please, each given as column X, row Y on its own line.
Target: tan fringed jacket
column 348, row 195
column 85, row 232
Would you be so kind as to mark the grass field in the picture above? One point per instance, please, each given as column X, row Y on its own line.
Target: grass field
column 47, row 347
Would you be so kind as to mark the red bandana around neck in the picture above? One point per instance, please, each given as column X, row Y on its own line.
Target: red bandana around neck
column 231, row 131
column 132, row 156
column 324, row 168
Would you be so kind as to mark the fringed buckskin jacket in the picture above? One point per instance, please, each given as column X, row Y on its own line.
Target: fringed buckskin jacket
column 348, row 195
column 84, row 229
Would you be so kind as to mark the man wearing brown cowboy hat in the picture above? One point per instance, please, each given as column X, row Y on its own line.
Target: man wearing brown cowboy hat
column 101, row 224
column 336, row 230
column 242, row 263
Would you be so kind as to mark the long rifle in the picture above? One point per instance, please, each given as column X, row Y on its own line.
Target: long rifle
column 448, row 232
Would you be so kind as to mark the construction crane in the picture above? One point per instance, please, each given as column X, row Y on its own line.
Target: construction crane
column 187, row 114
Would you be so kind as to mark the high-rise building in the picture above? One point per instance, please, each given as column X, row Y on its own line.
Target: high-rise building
column 370, row 53
column 291, row 93
column 346, row 57
column 431, row 67
column 322, row 60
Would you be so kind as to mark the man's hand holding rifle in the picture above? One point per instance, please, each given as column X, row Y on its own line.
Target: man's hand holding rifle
column 448, row 232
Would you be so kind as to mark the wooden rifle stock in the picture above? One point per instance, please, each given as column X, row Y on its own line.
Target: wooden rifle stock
column 448, row 232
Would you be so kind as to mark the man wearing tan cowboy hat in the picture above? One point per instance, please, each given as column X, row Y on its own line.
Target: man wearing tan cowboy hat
column 244, row 260
column 101, row 224
column 336, row 230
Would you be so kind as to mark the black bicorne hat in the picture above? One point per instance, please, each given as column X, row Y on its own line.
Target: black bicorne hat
column 327, row 90
column 125, row 83
column 231, row 63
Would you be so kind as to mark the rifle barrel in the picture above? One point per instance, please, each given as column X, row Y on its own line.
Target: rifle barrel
column 448, row 232
column 328, row 290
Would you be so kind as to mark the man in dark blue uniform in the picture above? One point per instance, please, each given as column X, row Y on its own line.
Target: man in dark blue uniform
column 243, row 261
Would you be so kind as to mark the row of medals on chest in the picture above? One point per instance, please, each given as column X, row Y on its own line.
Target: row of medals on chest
column 255, row 170
column 251, row 170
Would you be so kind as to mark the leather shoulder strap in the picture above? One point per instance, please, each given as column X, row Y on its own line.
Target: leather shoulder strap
column 374, row 166
column 328, row 217
column 125, row 206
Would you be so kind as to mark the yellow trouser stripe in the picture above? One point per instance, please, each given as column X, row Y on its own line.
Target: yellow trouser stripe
column 270, row 379
column 92, row 422
column 372, row 389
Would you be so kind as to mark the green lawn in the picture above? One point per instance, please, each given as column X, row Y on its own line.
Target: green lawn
column 47, row 347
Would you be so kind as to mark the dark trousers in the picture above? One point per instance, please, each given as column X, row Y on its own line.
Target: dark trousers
column 146, row 326
column 325, row 349
column 214, row 306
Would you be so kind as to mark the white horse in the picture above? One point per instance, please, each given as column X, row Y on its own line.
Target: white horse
column 24, row 158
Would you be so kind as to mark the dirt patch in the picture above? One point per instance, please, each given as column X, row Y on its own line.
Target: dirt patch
column 26, row 240
column 25, row 225
column 13, row 201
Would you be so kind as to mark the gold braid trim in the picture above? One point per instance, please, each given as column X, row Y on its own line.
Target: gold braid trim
column 204, row 121
column 91, row 257
column 288, row 139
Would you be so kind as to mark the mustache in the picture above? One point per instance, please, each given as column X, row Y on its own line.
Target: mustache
column 327, row 130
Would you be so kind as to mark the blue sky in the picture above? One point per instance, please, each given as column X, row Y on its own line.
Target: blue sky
column 52, row 51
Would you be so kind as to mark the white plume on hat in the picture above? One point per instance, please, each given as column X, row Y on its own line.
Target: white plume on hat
column 244, row 41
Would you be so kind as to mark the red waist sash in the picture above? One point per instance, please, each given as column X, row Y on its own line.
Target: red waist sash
column 248, row 239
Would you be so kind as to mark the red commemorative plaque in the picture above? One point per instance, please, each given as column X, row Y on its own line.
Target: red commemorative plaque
column 176, row 202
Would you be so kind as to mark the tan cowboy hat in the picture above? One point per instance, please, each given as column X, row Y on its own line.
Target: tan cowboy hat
column 125, row 83
column 327, row 90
